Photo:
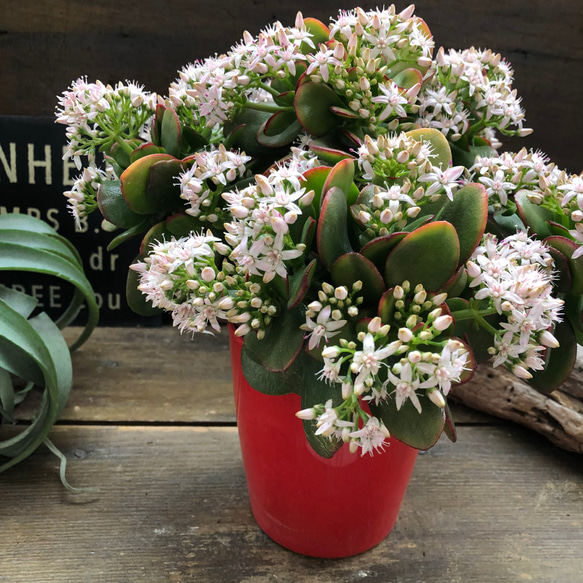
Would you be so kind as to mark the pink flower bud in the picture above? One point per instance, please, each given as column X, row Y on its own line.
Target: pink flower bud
column 547, row 339
column 436, row 398
column 443, row 323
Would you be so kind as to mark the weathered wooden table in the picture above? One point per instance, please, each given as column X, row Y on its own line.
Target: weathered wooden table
column 150, row 423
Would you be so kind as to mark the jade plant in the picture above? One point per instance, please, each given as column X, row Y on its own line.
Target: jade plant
column 338, row 194
column 34, row 356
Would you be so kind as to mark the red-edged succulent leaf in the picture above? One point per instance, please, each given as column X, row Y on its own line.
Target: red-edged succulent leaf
column 468, row 213
column 353, row 267
column 534, row 216
column 560, row 361
column 285, row 99
column 441, row 151
column 144, row 150
column 162, row 190
column 314, row 179
column 299, row 284
column 387, row 307
column 242, row 132
column 114, row 207
column 312, row 104
column 571, row 273
column 171, row 133
column 420, row 431
column 134, row 181
column 428, row 256
column 279, row 130
column 332, row 234
column 328, row 153
column 449, row 427
column 342, row 176
column 343, row 112
column 378, row 249
column 457, row 284
column 557, row 229
column 319, row 31
column 157, row 125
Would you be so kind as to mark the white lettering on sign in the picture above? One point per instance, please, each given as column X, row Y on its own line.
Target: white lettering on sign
column 97, row 263
column 9, row 167
column 33, row 163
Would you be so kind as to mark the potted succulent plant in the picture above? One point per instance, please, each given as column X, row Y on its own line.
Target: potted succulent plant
column 337, row 195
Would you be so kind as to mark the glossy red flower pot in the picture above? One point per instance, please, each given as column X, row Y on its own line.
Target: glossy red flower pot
column 328, row 508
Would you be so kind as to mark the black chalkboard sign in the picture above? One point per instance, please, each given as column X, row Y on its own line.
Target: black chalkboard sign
column 33, row 177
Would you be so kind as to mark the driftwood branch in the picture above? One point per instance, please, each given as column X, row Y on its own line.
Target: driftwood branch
column 558, row 416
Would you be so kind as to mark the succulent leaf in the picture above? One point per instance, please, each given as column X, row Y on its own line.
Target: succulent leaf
column 353, row 267
column 332, row 234
column 312, row 104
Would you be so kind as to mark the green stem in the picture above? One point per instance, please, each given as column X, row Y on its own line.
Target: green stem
column 269, row 89
column 477, row 316
column 124, row 145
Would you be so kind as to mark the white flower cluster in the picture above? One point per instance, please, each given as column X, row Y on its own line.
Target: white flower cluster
column 371, row 369
column 203, row 183
column 207, row 93
column 181, row 277
column 82, row 198
column 366, row 48
column 262, row 214
column 516, row 277
column 479, row 79
column 571, row 196
column 390, row 204
column 505, row 175
column 93, row 112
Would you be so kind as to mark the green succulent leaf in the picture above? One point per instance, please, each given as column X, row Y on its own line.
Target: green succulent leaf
column 408, row 78
column 280, row 130
column 428, row 256
column 144, row 150
column 134, row 181
column 378, row 249
column 114, row 207
column 314, row 179
column 281, row 344
column 327, row 151
column 533, row 216
column 300, row 284
column 312, row 104
column 136, row 300
column 571, row 270
column 441, row 151
column 170, row 133
column 342, row 176
column 468, row 213
column 418, row 430
column 559, row 363
column 352, row 267
column 332, row 234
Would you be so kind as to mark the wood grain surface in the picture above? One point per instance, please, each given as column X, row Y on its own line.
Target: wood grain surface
column 500, row 506
column 47, row 43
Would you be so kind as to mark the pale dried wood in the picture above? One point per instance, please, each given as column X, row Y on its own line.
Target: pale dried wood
column 558, row 416
column 501, row 505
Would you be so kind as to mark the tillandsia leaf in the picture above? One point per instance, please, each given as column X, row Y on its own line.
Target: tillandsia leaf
column 441, row 150
column 299, row 284
column 332, row 234
column 282, row 342
column 114, row 207
column 145, row 150
column 571, row 270
column 24, row 257
column 18, row 301
column 352, row 267
column 171, row 133
column 136, row 300
column 468, row 213
column 559, row 362
column 134, row 181
column 312, row 103
column 6, row 396
column 418, row 430
column 534, row 216
column 19, row 332
column 342, row 176
column 285, row 137
column 317, row 392
column 428, row 256
column 378, row 249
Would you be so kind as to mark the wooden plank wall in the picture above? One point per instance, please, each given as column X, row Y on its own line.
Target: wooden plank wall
column 46, row 44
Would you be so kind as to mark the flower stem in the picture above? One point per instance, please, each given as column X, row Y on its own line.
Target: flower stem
column 267, row 107
column 477, row 316
column 124, row 145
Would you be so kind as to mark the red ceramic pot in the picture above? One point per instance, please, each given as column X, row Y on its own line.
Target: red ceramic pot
column 328, row 508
